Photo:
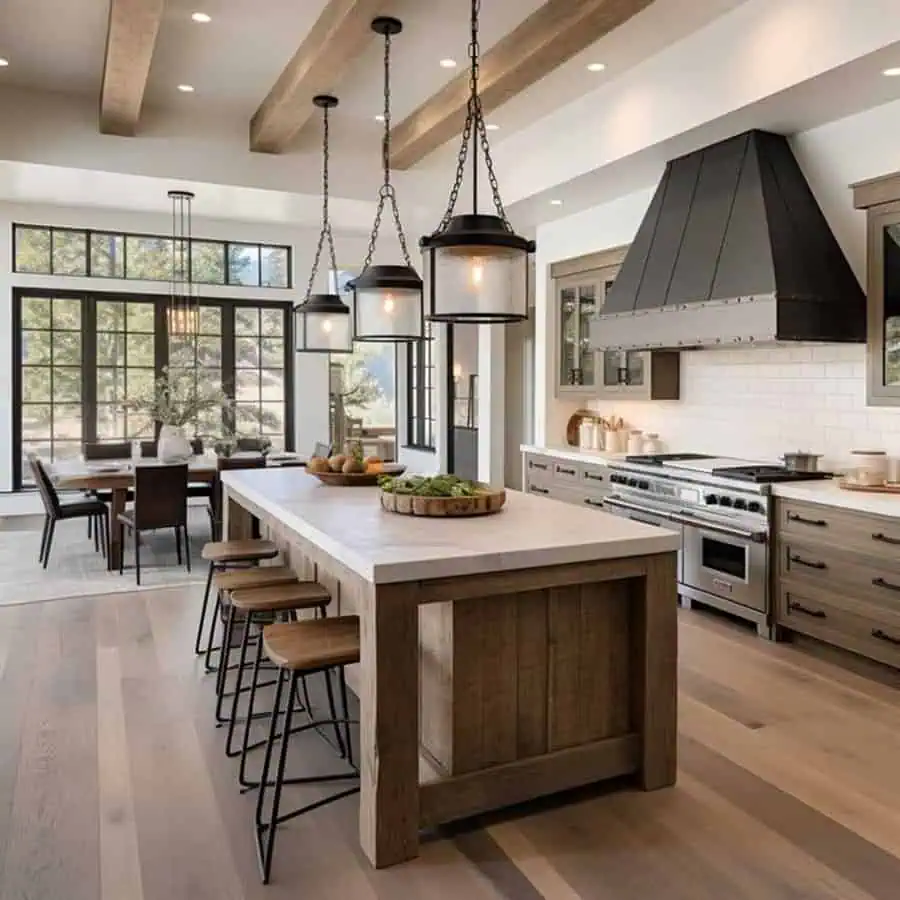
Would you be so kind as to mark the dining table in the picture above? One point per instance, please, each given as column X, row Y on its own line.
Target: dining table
column 116, row 477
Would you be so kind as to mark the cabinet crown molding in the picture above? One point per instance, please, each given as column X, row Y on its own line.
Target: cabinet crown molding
column 876, row 191
column 601, row 260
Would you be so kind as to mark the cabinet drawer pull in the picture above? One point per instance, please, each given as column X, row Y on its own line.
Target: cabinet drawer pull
column 800, row 561
column 596, row 503
column 534, row 465
column 884, row 636
column 880, row 582
column 537, row 490
column 590, row 477
column 806, row 611
column 561, row 470
column 885, row 539
column 795, row 517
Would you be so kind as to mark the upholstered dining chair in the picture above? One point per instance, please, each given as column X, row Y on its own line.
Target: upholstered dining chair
column 160, row 501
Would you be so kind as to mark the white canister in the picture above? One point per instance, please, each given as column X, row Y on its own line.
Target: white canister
column 586, row 434
column 868, row 467
column 652, row 444
column 635, row 442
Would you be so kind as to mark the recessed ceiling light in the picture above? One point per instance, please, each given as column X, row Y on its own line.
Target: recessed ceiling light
column 556, row 202
column 379, row 118
column 492, row 127
column 3, row 62
column 448, row 63
column 892, row 73
column 186, row 88
column 201, row 17
column 596, row 67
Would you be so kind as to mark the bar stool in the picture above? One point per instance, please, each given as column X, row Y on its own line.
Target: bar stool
column 298, row 650
column 258, row 603
column 222, row 555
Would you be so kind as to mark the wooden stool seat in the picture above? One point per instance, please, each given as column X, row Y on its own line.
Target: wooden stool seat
column 238, row 551
column 281, row 597
column 313, row 643
column 255, row 577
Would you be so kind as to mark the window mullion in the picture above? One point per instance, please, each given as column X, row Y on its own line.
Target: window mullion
column 89, row 369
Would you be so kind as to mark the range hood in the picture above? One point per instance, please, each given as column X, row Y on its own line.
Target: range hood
column 733, row 250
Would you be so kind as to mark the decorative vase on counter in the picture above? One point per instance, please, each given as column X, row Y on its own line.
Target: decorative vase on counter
column 173, row 446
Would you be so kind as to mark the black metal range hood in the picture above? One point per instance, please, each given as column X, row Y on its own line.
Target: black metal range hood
column 733, row 250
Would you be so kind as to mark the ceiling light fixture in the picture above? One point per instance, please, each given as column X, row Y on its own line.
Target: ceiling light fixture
column 387, row 300
column 596, row 67
column 3, row 62
column 476, row 266
column 892, row 73
column 323, row 320
column 186, row 88
column 492, row 127
column 201, row 17
column 184, row 306
column 448, row 63
column 556, row 202
column 379, row 118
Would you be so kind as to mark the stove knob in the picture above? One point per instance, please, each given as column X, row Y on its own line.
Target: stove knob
column 725, row 501
column 644, row 485
column 618, row 479
column 754, row 506
column 711, row 499
column 740, row 504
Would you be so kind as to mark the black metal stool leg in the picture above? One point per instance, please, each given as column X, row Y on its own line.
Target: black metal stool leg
column 245, row 643
column 332, row 709
column 217, row 606
column 224, row 655
column 342, row 675
column 245, row 740
column 200, row 624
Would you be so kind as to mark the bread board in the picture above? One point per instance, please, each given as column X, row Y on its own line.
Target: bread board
column 886, row 488
column 485, row 502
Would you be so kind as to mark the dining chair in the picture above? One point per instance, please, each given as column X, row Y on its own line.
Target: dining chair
column 55, row 511
column 160, row 501
column 252, row 444
column 97, row 451
column 225, row 463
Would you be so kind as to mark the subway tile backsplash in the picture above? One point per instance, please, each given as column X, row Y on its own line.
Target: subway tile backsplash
column 759, row 403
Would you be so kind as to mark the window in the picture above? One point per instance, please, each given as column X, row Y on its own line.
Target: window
column 47, row 250
column 80, row 356
column 420, row 392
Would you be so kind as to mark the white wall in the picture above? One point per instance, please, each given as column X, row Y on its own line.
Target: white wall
column 751, row 402
column 310, row 371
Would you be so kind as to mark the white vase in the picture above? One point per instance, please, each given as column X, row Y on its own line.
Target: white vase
column 173, row 446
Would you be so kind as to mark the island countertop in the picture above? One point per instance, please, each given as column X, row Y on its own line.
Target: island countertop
column 349, row 524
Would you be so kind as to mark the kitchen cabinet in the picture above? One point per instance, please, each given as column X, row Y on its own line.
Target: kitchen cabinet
column 838, row 578
column 580, row 287
column 584, row 484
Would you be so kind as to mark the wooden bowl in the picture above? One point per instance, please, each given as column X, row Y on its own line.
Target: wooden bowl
column 486, row 501
column 358, row 479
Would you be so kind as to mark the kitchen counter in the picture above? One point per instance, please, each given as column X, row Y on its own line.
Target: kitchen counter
column 502, row 658
column 575, row 454
column 828, row 493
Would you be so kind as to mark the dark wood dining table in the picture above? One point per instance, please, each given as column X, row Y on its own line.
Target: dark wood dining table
column 117, row 477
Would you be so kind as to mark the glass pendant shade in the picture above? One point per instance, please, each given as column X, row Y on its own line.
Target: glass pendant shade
column 477, row 271
column 183, row 310
column 387, row 305
column 323, row 325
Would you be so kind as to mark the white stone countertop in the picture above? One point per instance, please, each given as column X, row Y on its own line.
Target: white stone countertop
column 349, row 525
column 598, row 457
column 830, row 494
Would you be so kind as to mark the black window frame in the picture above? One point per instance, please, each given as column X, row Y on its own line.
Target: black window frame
column 89, row 365
column 124, row 235
column 420, row 389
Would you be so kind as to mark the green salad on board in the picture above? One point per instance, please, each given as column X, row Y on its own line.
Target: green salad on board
column 429, row 485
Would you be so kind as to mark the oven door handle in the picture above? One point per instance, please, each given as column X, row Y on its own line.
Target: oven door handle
column 756, row 537
column 634, row 507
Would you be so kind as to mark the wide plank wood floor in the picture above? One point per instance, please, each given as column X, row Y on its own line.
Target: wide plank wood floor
column 114, row 786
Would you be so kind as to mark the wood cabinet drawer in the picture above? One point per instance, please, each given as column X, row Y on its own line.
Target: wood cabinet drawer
column 874, row 536
column 566, row 471
column 557, row 492
column 594, row 479
column 838, row 619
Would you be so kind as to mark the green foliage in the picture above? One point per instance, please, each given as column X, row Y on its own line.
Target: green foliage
column 178, row 398
column 429, row 486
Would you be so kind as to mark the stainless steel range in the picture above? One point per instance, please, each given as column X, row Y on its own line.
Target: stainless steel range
column 723, row 509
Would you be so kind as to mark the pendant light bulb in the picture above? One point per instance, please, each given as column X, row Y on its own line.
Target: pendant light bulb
column 388, row 302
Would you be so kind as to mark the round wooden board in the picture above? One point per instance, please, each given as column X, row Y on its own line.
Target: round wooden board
column 359, row 479
column 886, row 488
column 484, row 503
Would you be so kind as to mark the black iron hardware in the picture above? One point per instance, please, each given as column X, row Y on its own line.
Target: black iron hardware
column 806, row 611
column 884, row 636
column 819, row 523
column 880, row 582
column 800, row 561
column 885, row 539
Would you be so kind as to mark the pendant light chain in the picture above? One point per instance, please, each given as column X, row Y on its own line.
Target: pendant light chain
column 325, row 233
column 474, row 122
column 387, row 192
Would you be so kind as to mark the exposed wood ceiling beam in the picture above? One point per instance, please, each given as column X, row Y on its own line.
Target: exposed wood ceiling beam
column 340, row 34
column 549, row 37
column 133, row 26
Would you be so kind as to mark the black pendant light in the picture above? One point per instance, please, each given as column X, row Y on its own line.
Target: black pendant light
column 476, row 266
column 323, row 320
column 183, row 313
column 387, row 300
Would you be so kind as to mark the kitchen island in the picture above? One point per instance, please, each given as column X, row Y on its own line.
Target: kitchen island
column 503, row 658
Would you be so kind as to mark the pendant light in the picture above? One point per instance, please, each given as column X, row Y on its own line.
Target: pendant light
column 323, row 320
column 387, row 299
column 184, row 308
column 476, row 266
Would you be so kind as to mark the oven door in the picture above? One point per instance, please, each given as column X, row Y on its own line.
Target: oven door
column 647, row 516
column 727, row 561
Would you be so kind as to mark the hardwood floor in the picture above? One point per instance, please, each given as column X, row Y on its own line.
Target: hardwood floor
column 114, row 786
